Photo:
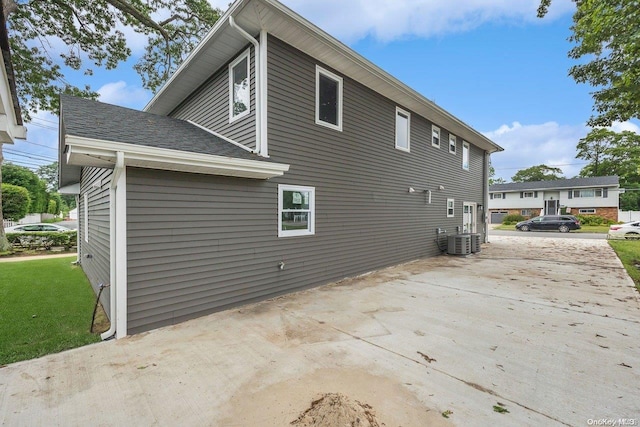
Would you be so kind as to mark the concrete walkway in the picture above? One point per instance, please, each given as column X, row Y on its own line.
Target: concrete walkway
column 34, row 257
column 546, row 329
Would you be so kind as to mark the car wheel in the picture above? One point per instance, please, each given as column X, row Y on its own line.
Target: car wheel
column 524, row 228
column 632, row 236
column 563, row 229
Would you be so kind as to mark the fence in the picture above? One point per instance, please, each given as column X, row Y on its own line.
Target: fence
column 628, row 216
column 29, row 219
column 6, row 223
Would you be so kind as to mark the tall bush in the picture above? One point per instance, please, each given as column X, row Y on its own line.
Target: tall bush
column 15, row 202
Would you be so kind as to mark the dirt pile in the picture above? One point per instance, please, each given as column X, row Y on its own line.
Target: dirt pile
column 337, row 410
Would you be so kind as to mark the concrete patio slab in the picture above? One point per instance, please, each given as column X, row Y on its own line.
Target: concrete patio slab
column 548, row 329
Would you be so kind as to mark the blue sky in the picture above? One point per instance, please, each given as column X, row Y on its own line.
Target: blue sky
column 491, row 63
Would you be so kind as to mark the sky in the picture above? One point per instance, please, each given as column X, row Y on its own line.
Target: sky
column 491, row 63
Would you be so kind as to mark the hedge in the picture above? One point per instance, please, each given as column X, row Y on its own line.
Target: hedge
column 43, row 239
column 512, row 219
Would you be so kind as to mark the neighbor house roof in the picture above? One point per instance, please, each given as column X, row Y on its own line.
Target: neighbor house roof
column 596, row 181
column 91, row 133
column 223, row 43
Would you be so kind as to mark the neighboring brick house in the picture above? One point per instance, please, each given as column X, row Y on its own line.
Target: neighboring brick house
column 577, row 196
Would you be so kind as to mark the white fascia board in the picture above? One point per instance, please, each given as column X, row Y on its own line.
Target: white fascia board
column 93, row 152
column 70, row 189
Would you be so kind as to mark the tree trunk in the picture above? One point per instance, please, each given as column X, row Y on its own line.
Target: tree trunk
column 4, row 243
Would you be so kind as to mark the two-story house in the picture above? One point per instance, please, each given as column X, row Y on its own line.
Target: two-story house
column 275, row 159
column 577, row 196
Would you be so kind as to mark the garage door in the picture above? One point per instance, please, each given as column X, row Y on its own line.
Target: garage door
column 497, row 217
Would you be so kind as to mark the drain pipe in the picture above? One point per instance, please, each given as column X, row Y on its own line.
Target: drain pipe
column 257, row 68
column 117, row 171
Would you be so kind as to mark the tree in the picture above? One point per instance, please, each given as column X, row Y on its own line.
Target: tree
column 24, row 177
column 49, row 174
column 91, row 32
column 492, row 174
column 605, row 34
column 16, row 202
column 538, row 173
column 611, row 153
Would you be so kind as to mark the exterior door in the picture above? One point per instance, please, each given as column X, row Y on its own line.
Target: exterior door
column 469, row 217
column 551, row 207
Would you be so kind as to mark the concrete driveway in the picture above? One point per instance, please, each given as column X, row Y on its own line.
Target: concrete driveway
column 546, row 329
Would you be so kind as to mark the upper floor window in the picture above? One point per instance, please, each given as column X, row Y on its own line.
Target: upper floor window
column 328, row 99
column 528, row 194
column 465, row 155
column 452, row 144
column 239, row 87
column 435, row 136
column 496, row 195
column 589, row 192
column 403, row 126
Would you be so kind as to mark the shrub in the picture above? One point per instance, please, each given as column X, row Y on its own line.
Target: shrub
column 15, row 201
column 42, row 239
column 594, row 220
column 512, row 219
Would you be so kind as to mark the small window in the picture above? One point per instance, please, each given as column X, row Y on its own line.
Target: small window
column 435, row 136
column 328, row 99
column 239, row 87
column 587, row 211
column 403, row 126
column 465, row 155
column 527, row 194
column 450, row 208
column 452, row 144
column 496, row 195
column 296, row 210
column 525, row 212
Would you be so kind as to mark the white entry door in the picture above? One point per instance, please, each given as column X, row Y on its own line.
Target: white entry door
column 469, row 216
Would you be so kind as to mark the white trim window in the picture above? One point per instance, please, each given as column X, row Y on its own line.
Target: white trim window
column 328, row 99
column 403, row 129
column 85, row 209
column 435, row 136
column 239, row 87
column 451, row 203
column 296, row 210
column 587, row 211
column 528, row 194
column 496, row 195
column 452, row 144
column 465, row 155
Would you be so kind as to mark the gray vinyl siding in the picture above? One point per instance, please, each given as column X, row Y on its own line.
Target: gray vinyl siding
column 95, row 254
column 198, row 244
column 209, row 107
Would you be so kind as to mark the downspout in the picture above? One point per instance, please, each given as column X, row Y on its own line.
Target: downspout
column 485, row 196
column 257, row 69
column 117, row 172
column 77, row 261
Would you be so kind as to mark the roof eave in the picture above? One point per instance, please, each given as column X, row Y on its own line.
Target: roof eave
column 82, row 151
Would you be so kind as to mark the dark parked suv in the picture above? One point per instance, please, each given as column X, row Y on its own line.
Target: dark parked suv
column 561, row 223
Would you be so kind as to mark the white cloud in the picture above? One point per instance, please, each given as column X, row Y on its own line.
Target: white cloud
column 387, row 20
column 622, row 126
column 121, row 93
column 548, row 143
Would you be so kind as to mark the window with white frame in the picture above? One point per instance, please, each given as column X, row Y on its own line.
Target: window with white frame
column 465, row 155
column 588, row 192
column 450, row 208
column 587, row 211
column 525, row 212
column 496, row 195
column 528, row 194
column 328, row 99
column 403, row 126
column 85, row 202
column 239, row 87
column 452, row 144
column 296, row 210
column 435, row 136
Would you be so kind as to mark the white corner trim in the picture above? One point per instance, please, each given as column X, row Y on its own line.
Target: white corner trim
column 263, row 147
column 229, row 140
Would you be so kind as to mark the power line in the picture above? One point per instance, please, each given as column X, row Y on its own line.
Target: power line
column 552, row 166
column 44, row 120
column 39, row 145
column 30, row 155
column 42, row 126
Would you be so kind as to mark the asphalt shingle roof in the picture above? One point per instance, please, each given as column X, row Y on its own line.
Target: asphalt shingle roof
column 97, row 120
column 596, row 181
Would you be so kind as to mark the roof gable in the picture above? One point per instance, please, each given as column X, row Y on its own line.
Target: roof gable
column 223, row 42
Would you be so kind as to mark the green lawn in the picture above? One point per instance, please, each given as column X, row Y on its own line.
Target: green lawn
column 629, row 253
column 45, row 307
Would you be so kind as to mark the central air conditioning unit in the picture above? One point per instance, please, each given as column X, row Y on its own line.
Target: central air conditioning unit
column 475, row 242
column 459, row 244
